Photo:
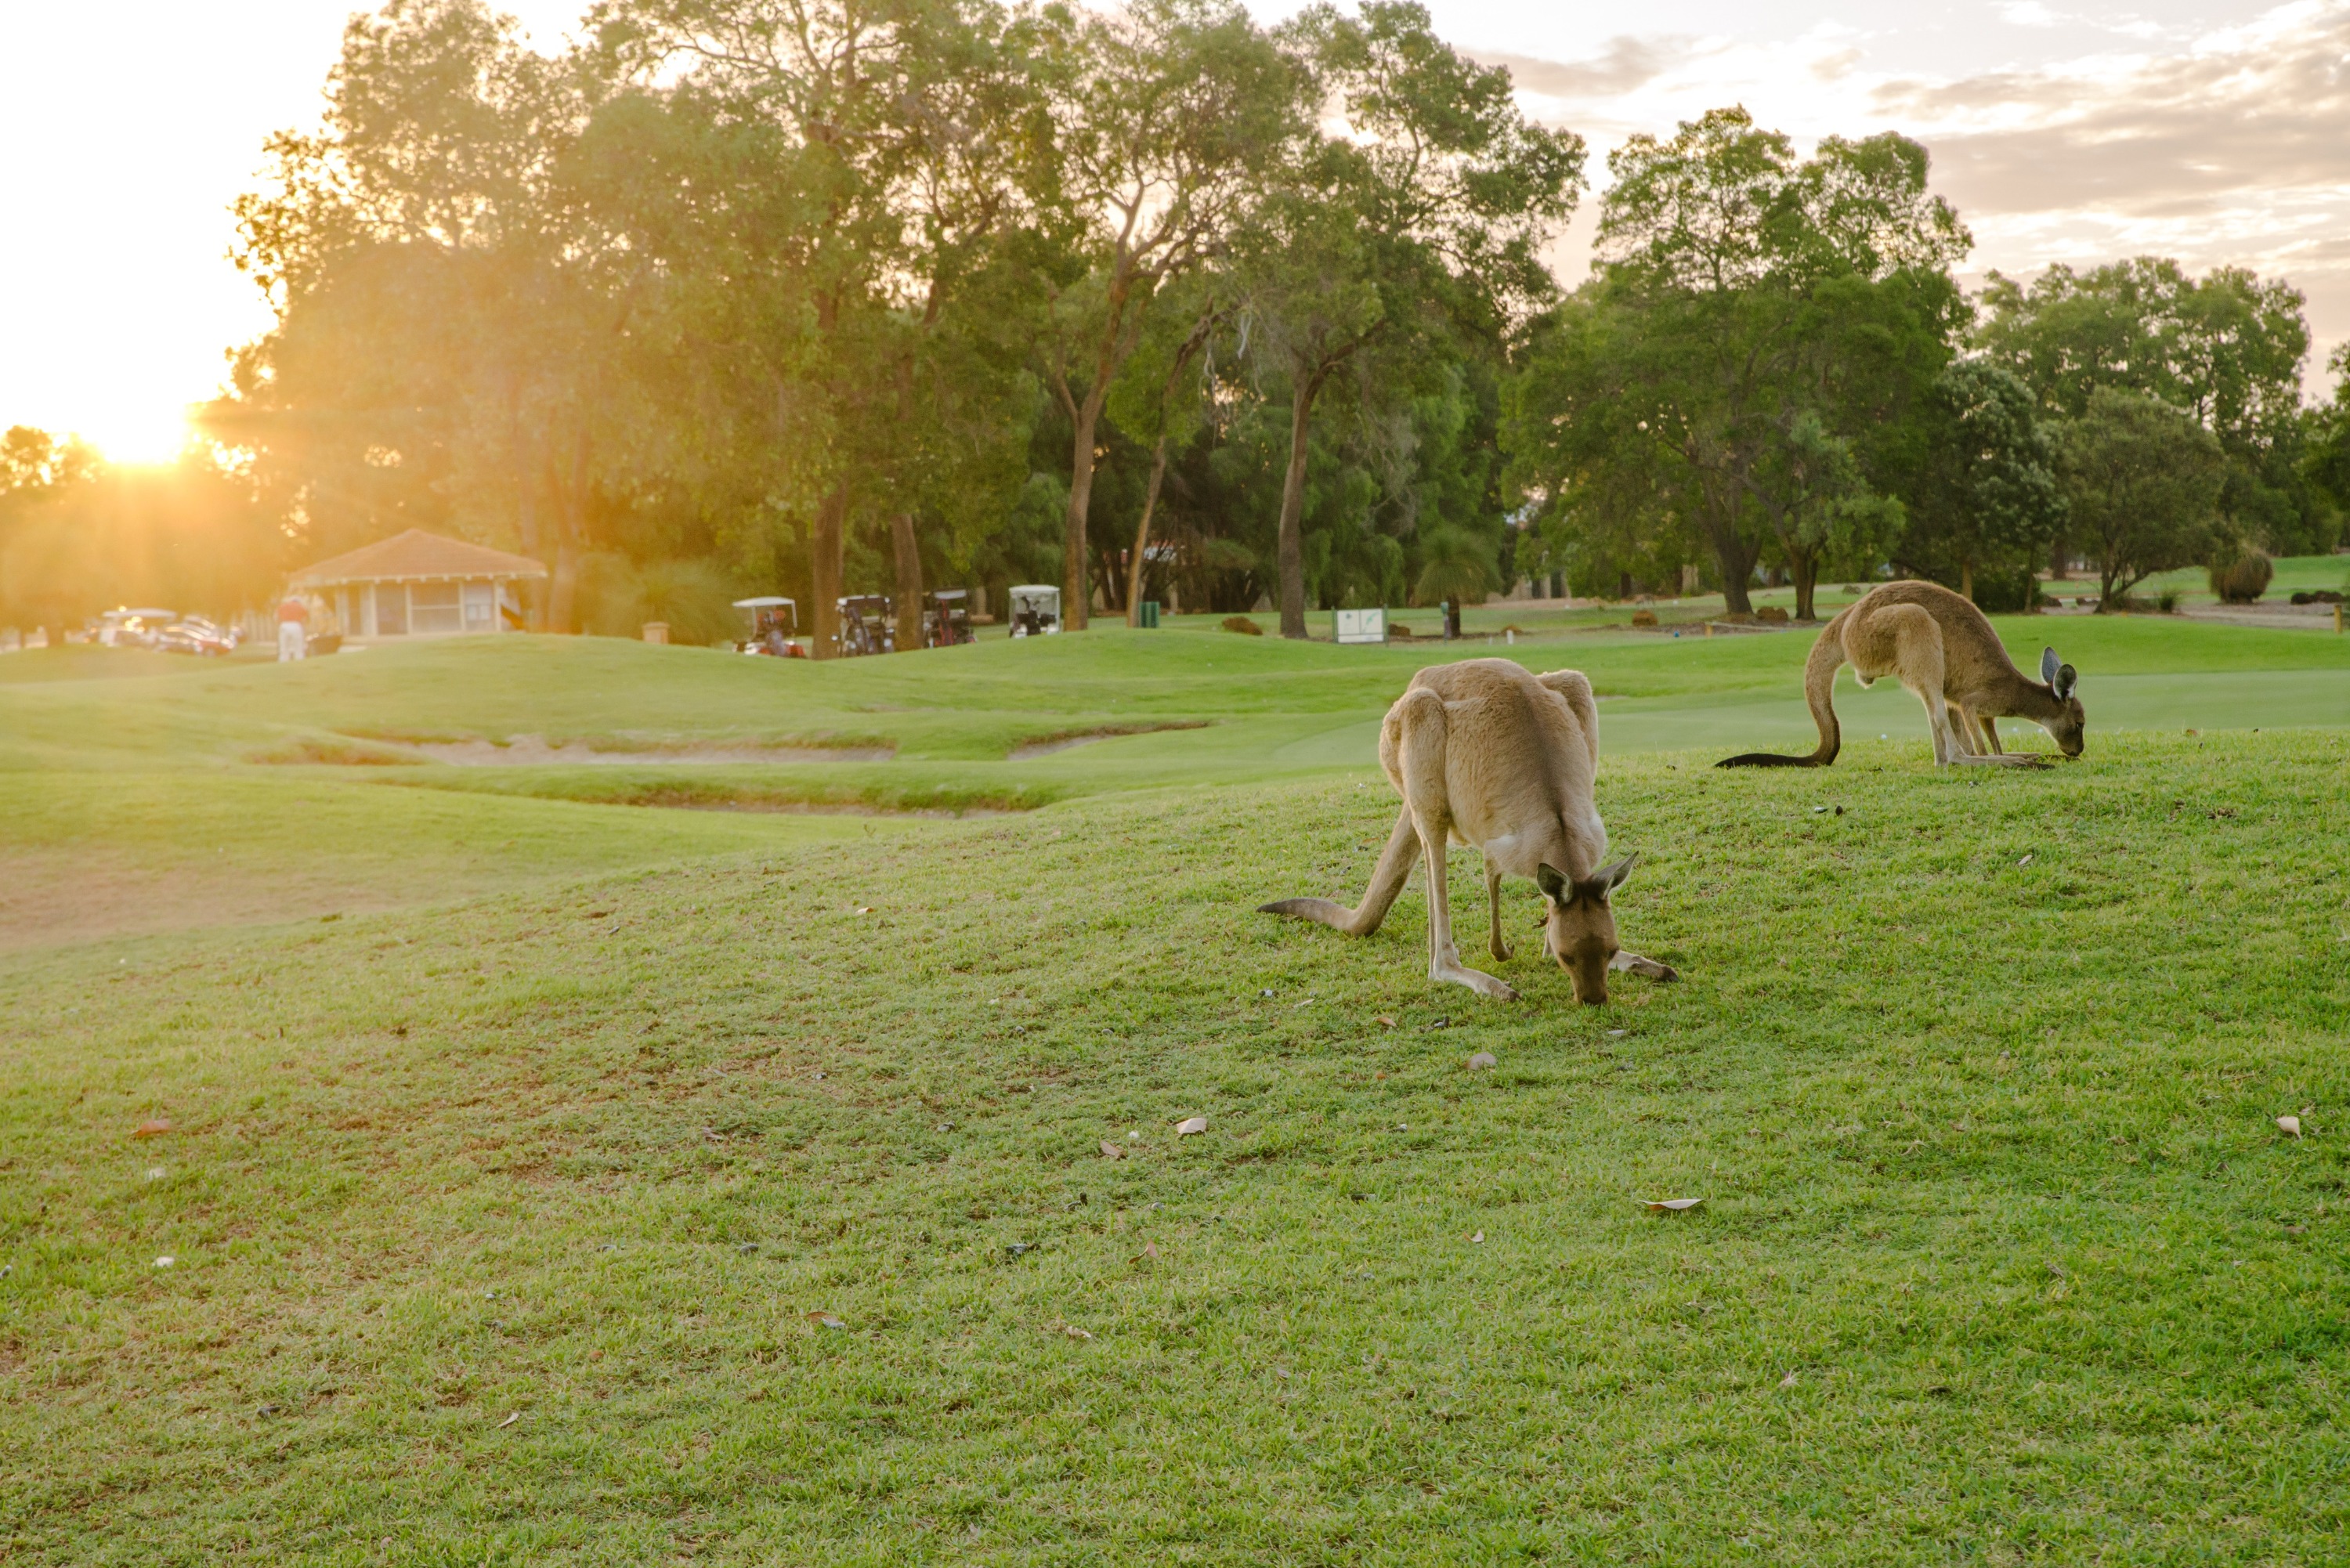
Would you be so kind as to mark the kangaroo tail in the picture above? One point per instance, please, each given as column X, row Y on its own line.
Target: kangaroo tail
column 1387, row 881
column 1819, row 691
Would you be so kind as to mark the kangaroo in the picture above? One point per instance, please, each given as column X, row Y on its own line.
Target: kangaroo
column 1936, row 643
column 1484, row 754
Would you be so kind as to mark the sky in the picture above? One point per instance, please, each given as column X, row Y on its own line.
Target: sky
column 2216, row 133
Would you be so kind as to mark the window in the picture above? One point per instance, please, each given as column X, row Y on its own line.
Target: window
column 433, row 606
column 391, row 609
column 481, row 608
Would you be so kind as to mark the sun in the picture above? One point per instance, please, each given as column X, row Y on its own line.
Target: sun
column 137, row 437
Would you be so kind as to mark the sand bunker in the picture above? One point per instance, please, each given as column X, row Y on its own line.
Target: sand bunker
column 1044, row 748
column 533, row 750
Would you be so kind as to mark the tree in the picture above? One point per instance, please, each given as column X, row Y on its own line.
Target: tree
column 1740, row 293
column 1432, row 199
column 1984, row 498
column 2141, row 479
column 2228, row 348
column 450, row 331
column 1164, row 118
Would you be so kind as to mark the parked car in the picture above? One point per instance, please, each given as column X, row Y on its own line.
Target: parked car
column 128, row 627
column 198, row 635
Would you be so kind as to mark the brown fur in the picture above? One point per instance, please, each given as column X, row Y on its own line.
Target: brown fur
column 1484, row 754
column 1940, row 646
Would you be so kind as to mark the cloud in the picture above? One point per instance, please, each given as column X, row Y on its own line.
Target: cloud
column 2174, row 137
column 1627, row 63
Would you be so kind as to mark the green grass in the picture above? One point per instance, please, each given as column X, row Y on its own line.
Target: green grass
column 493, row 1099
column 2295, row 573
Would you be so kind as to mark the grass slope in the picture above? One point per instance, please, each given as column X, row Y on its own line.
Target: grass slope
column 2003, row 1257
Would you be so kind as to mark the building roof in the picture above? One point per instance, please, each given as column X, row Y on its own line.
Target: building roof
column 417, row 556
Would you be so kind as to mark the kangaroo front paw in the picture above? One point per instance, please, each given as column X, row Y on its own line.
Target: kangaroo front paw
column 1478, row 980
column 1500, row 949
column 1636, row 964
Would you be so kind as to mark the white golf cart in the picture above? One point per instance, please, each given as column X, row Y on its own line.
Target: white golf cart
column 773, row 622
column 1035, row 610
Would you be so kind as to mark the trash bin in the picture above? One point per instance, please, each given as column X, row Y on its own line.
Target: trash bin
column 1149, row 618
column 656, row 631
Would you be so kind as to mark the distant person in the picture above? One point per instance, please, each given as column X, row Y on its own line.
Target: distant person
column 293, row 623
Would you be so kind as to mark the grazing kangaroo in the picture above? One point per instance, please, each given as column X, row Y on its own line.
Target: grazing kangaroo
column 1936, row 643
column 1486, row 754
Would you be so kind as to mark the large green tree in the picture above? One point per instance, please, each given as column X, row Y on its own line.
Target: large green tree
column 1755, row 319
column 1419, row 218
column 2227, row 347
column 1166, row 119
column 2142, row 482
column 1982, row 499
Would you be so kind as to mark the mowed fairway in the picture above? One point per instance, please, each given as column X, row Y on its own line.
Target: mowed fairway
column 521, row 1142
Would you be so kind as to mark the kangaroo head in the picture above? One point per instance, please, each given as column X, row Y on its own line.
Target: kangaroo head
column 2062, row 682
column 1578, row 926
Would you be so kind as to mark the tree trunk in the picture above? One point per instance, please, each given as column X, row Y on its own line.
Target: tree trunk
column 910, row 581
column 2056, row 561
column 1808, row 582
column 825, row 544
column 532, row 546
column 1290, row 554
column 1073, row 596
column 1737, row 562
column 1967, row 579
column 1142, row 533
column 563, row 588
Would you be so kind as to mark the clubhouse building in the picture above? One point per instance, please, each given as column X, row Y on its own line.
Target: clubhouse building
column 420, row 585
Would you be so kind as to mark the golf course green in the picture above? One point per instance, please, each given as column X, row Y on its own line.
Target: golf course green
column 522, row 1100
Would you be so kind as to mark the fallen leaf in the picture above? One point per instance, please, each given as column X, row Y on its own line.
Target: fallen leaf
column 1191, row 1124
column 1387, row 1022
column 509, row 1421
column 1111, row 1151
column 1074, row 1332
column 166, row 1260
column 1674, row 1204
column 864, row 911
column 2025, row 861
column 1477, row 1238
column 825, row 1320
column 1788, row 1381
column 2291, row 1125
column 154, row 1128
column 1482, row 1059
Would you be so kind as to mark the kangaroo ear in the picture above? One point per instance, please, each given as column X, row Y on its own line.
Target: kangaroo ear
column 2048, row 667
column 2066, row 679
column 1553, row 885
column 1608, row 878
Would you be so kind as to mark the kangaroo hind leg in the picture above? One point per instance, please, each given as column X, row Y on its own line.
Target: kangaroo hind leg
column 1387, row 881
column 1420, row 764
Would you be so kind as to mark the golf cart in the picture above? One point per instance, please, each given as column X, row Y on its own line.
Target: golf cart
column 867, row 625
column 947, row 621
column 773, row 621
column 1035, row 610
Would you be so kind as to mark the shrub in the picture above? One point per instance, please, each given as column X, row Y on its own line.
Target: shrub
column 1242, row 624
column 1773, row 613
column 2243, row 579
column 1644, row 617
column 2167, row 601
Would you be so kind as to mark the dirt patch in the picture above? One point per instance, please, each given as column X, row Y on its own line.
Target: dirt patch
column 1046, row 745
